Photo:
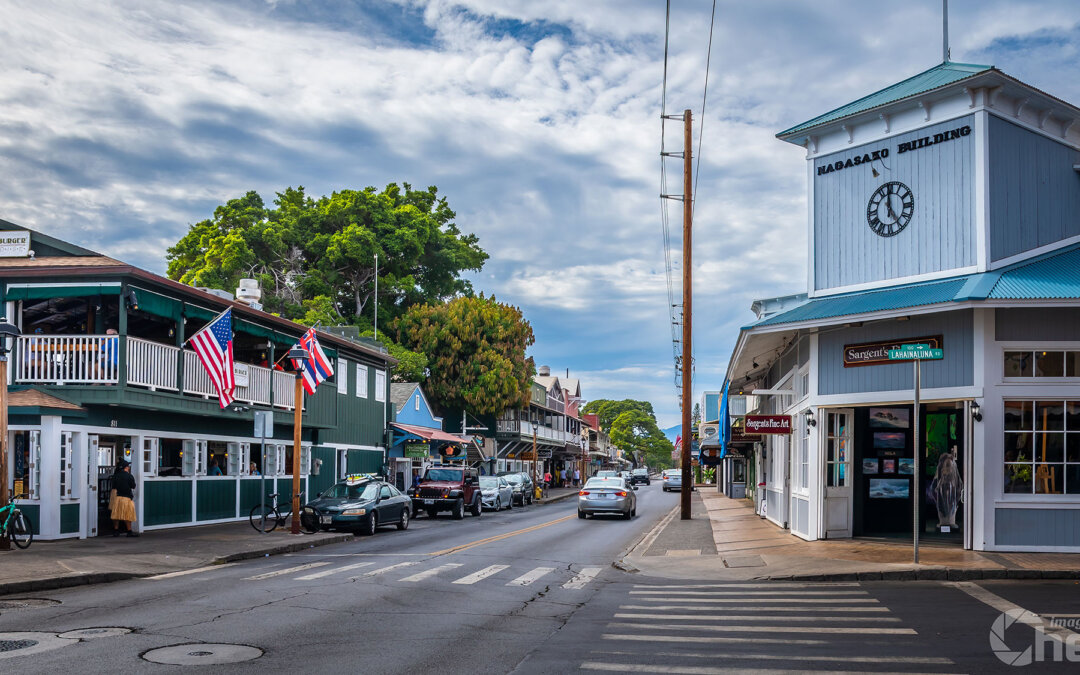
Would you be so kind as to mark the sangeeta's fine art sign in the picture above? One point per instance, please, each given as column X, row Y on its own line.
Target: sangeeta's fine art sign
column 768, row 424
column 873, row 353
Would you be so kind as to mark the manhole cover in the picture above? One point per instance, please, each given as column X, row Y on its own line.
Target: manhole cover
column 92, row 633
column 24, row 644
column 202, row 654
column 27, row 603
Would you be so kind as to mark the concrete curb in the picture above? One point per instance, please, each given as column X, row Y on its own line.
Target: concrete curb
column 559, row 498
column 53, row 583
column 933, row 574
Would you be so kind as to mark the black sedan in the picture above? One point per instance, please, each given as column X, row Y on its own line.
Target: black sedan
column 522, row 485
column 359, row 505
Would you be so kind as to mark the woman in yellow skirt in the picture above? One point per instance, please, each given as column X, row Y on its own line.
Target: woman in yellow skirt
column 123, row 510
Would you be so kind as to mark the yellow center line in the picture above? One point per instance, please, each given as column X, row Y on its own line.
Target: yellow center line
column 498, row 537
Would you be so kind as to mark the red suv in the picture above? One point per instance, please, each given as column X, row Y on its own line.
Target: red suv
column 447, row 488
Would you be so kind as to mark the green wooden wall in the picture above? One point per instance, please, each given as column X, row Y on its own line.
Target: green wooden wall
column 364, row 461
column 215, row 498
column 33, row 512
column 167, row 502
column 327, row 475
column 69, row 518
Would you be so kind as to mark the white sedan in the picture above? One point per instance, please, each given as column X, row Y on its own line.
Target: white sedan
column 673, row 480
column 496, row 493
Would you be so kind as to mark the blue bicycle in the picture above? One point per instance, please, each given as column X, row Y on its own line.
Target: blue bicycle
column 16, row 525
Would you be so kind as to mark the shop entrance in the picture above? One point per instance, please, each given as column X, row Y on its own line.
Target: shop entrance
column 105, row 452
column 885, row 466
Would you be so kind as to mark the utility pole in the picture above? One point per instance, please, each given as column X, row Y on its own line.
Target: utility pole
column 687, row 315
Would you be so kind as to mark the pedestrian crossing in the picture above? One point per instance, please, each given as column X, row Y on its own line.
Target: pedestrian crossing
column 757, row 628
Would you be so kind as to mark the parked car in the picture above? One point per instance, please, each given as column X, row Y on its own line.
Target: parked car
column 496, row 493
column 522, row 484
column 607, row 495
column 625, row 475
column 447, row 488
column 359, row 504
column 640, row 476
column 673, row 480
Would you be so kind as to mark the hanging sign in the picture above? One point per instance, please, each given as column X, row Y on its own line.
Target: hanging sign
column 15, row 244
column 768, row 424
column 874, row 353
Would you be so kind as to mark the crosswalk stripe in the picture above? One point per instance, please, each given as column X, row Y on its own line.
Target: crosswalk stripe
column 762, row 656
column 287, row 570
column 171, row 575
column 771, row 584
column 583, row 577
column 427, row 574
column 758, row 617
column 703, row 670
column 482, row 574
column 388, row 568
column 721, row 601
column 710, row 609
column 714, row 594
column 768, row 629
column 529, row 577
column 707, row 639
column 334, row 570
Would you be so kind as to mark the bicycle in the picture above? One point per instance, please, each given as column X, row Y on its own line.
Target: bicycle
column 266, row 518
column 17, row 525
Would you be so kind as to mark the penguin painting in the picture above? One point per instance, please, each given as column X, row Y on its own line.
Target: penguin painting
column 947, row 489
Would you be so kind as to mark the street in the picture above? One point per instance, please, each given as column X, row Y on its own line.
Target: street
column 527, row 591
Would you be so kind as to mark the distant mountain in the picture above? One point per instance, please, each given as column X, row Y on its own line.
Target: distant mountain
column 673, row 432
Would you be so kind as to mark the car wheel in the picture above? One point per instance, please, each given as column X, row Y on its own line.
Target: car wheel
column 404, row 524
column 581, row 514
column 511, row 504
column 498, row 504
column 459, row 509
column 477, row 508
column 371, row 524
column 633, row 512
column 628, row 515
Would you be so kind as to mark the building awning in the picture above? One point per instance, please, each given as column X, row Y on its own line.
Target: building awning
column 60, row 290
column 428, row 433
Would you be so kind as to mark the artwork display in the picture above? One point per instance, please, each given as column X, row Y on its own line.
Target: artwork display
column 889, row 488
column 869, row 466
column 946, row 490
column 890, row 418
column 888, row 466
column 890, row 440
column 906, row 466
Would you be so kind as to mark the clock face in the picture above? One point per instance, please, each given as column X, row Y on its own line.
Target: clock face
column 890, row 209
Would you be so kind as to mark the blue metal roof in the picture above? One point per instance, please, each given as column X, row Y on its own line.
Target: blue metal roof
column 938, row 76
column 1055, row 275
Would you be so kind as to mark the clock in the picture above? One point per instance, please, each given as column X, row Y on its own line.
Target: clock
column 890, row 209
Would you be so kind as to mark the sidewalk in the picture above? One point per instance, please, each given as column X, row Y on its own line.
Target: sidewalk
column 74, row 562
column 558, row 495
column 727, row 540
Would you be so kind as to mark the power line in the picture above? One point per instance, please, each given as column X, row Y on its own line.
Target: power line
column 664, row 219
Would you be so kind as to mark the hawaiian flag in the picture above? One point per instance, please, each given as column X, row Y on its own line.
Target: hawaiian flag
column 317, row 368
column 214, row 346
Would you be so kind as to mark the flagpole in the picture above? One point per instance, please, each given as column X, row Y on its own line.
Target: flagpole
column 204, row 327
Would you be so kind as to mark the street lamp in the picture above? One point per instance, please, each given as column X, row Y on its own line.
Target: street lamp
column 299, row 357
column 8, row 333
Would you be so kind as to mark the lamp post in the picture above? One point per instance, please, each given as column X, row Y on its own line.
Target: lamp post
column 299, row 357
column 7, row 331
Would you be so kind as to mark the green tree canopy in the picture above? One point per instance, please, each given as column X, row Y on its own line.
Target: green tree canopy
column 476, row 353
column 607, row 410
column 315, row 258
column 636, row 431
column 412, row 366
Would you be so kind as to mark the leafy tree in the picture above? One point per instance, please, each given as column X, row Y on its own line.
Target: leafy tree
column 695, row 417
column 305, row 249
column 476, row 351
column 412, row 366
column 635, row 431
column 607, row 410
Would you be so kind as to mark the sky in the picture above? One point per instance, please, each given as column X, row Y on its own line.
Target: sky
column 121, row 124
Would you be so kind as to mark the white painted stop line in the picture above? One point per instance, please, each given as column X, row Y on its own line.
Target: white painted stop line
column 482, row 574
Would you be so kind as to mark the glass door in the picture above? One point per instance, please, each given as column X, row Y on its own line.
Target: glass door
column 942, row 472
column 839, row 444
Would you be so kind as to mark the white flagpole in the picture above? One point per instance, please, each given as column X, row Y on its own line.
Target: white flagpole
column 376, row 296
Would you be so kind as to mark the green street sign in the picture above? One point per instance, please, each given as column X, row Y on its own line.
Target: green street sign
column 915, row 353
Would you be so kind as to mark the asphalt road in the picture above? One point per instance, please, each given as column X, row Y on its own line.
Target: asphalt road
column 523, row 591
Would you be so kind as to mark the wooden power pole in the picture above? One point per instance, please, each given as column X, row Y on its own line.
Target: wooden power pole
column 687, row 314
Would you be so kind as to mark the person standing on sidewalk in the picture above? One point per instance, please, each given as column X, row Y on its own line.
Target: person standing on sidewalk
column 124, row 508
column 577, row 476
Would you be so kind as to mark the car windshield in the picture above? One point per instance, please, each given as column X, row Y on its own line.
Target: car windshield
column 489, row 482
column 514, row 478
column 641, row 472
column 600, row 482
column 451, row 475
column 345, row 491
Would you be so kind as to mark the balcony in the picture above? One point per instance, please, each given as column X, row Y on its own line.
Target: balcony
column 93, row 360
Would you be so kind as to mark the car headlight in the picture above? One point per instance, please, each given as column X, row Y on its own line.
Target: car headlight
column 354, row 512
column 308, row 509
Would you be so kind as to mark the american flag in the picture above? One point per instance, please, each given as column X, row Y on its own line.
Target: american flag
column 317, row 368
column 214, row 345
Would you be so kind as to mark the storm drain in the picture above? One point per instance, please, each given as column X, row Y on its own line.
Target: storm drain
column 93, row 633
column 25, row 644
column 27, row 603
column 202, row 654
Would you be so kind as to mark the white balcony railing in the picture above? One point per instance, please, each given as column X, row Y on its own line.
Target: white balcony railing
column 196, row 381
column 284, row 395
column 257, row 389
column 67, row 359
column 151, row 364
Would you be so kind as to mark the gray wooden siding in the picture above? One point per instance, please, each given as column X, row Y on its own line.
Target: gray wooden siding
column 1036, row 324
column 1037, row 527
column 941, row 234
column 955, row 370
column 1034, row 191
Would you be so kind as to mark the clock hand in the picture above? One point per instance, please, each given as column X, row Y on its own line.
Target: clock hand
column 888, row 204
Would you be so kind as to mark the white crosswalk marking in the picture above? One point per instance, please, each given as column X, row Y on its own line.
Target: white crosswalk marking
column 817, row 630
column 761, row 656
column 172, row 575
column 388, row 568
column 335, row 570
column 707, row 670
column 717, row 594
column 287, row 570
column 710, row 610
column 427, row 574
column 758, row 617
column 482, row 574
column 531, row 576
column 741, row 601
column 583, row 577
column 707, row 640
column 772, row 585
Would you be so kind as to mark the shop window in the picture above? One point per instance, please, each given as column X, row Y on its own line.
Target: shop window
column 1041, row 363
column 343, row 381
column 217, row 453
column 253, row 460
column 235, row 457
column 287, row 460
column 305, row 460
column 380, row 385
column 1042, row 447
column 27, row 460
column 66, row 472
column 149, row 456
column 361, row 380
column 170, row 457
column 416, row 403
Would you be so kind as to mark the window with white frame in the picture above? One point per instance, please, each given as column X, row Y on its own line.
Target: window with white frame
column 361, row 380
column 66, row 461
column 1042, row 447
column 270, row 459
column 202, row 449
column 305, row 460
column 1041, row 363
column 234, row 464
column 343, row 381
column 803, row 459
column 380, row 385
column 416, row 402
column 149, row 456
column 280, row 465
column 32, row 489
